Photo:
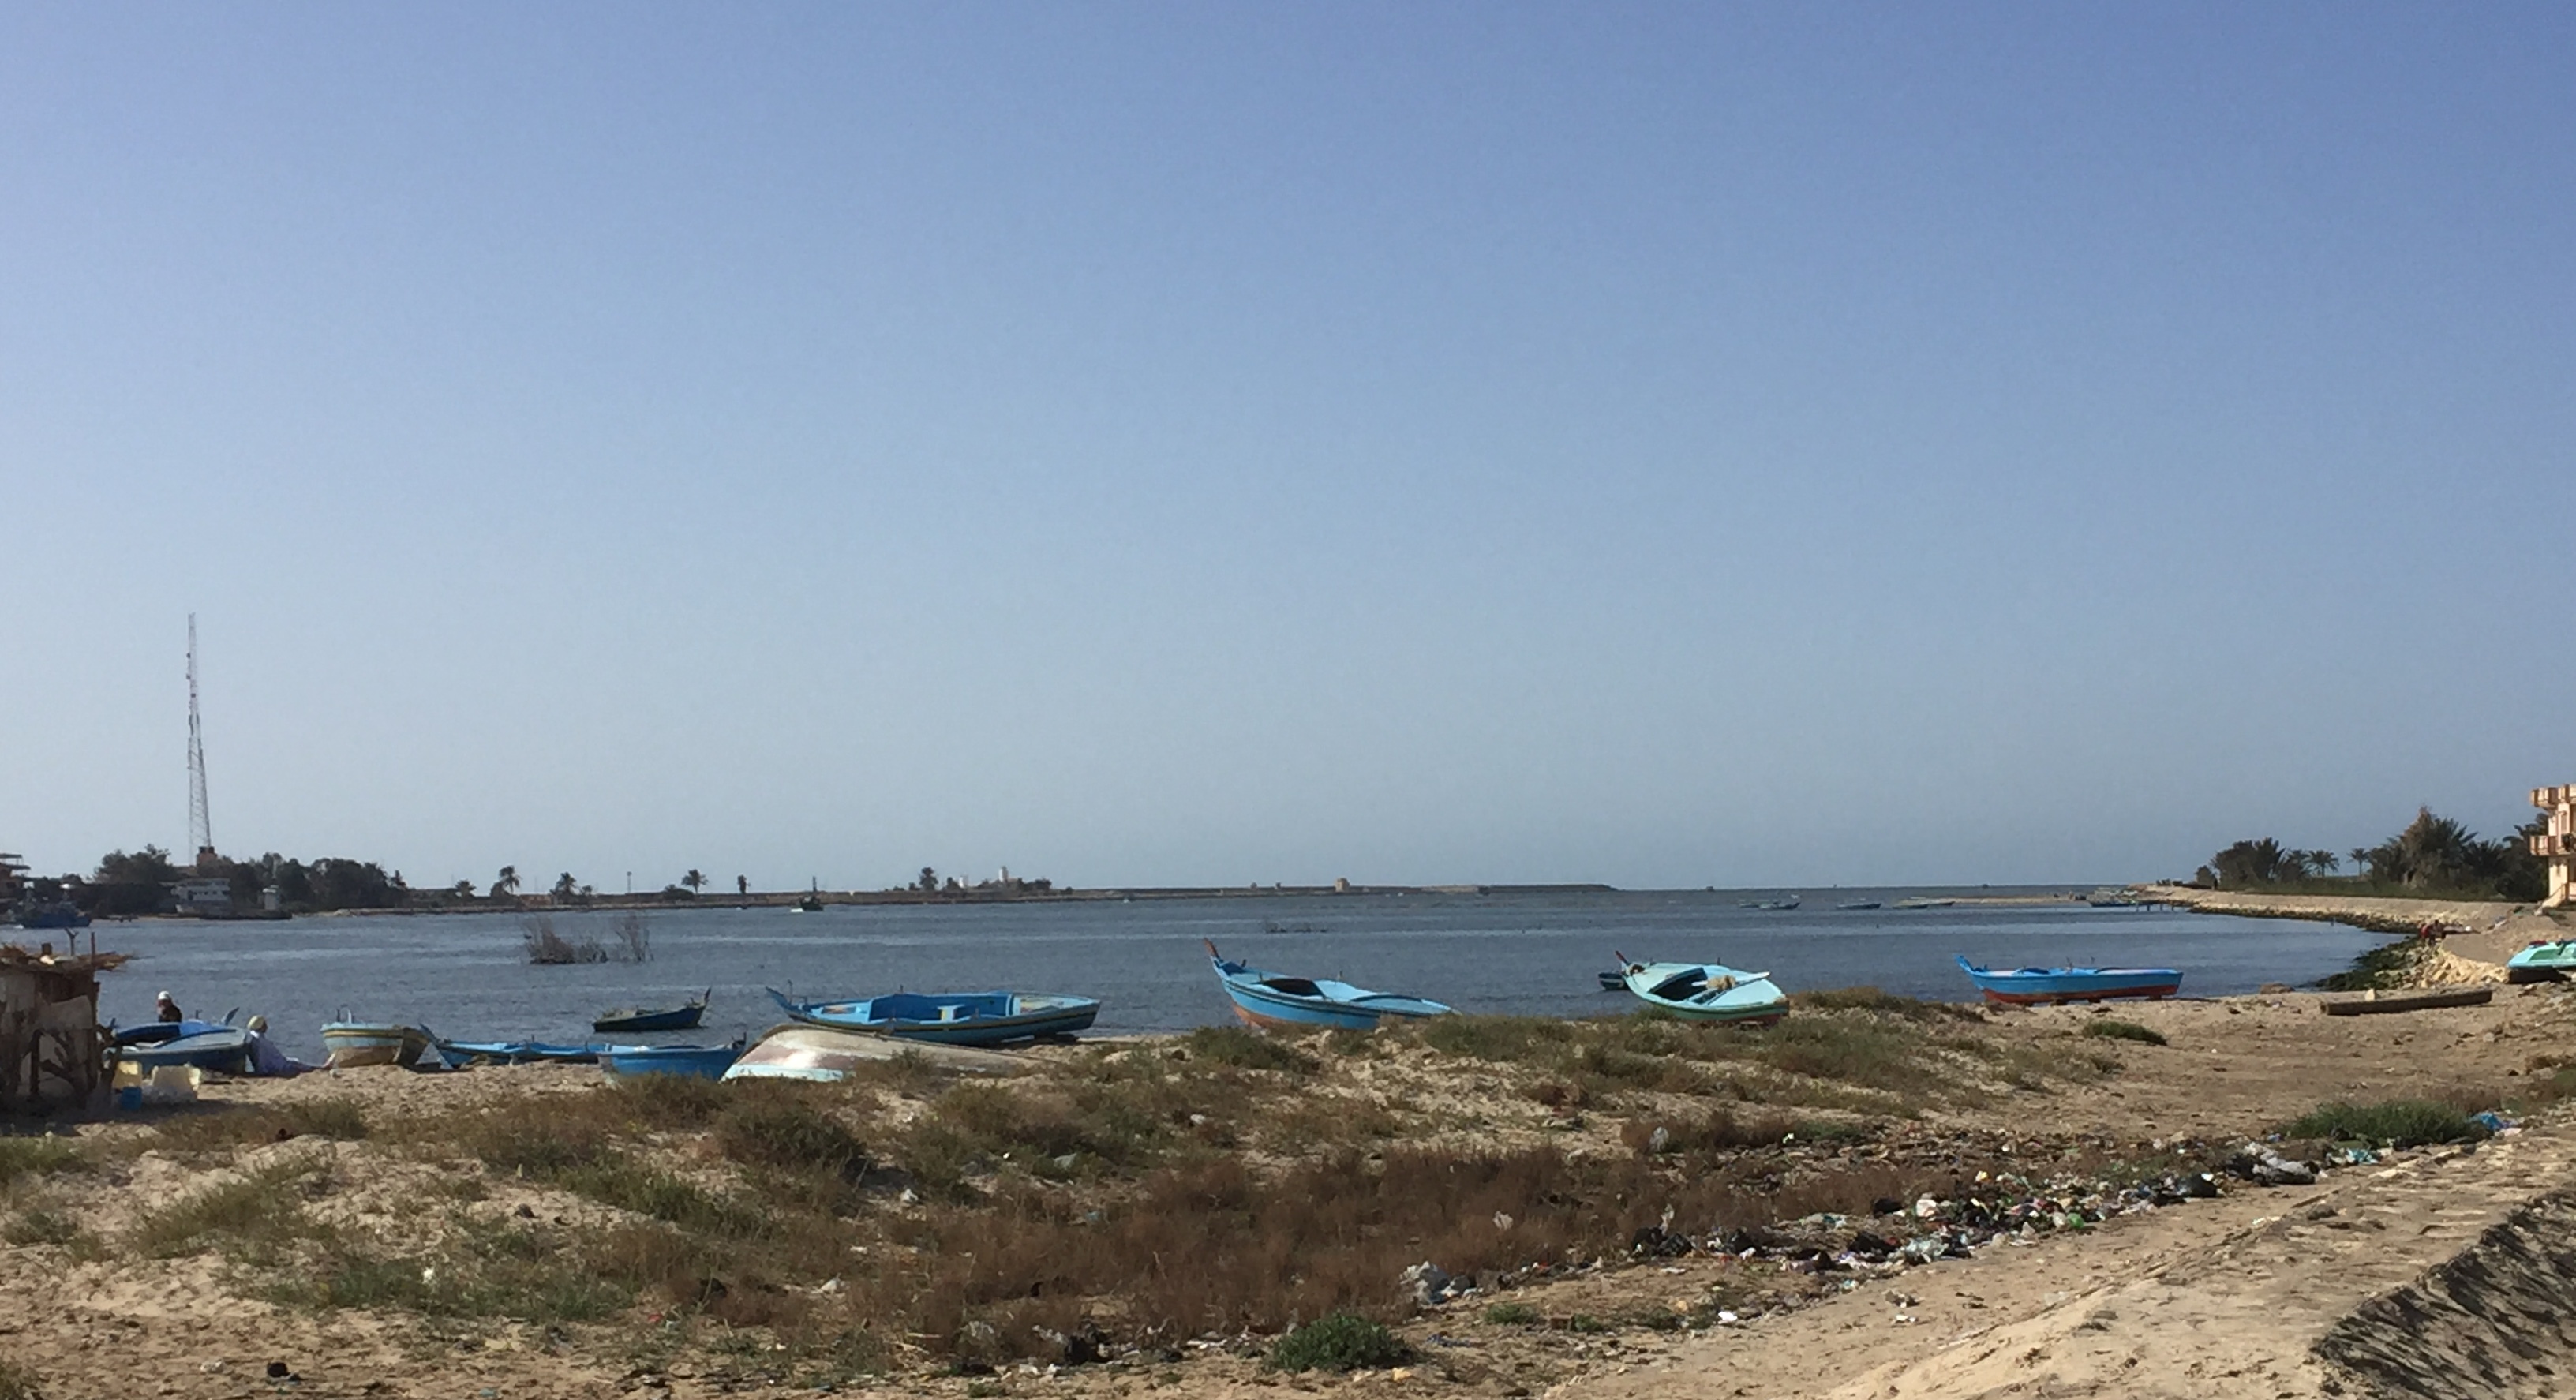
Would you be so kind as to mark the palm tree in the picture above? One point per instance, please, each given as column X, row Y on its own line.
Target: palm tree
column 507, row 882
column 566, row 886
column 694, row 881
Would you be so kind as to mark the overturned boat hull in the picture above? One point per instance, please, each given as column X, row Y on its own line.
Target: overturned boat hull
column 821, row 1054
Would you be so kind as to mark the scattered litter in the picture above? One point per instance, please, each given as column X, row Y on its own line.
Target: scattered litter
column 2261, row 1164
column 1428, row 1284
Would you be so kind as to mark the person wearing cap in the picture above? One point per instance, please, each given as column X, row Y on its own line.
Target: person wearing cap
column 170, row 1009
column 266, row 1060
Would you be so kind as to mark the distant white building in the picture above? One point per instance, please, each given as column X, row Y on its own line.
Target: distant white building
column 204, row 896
column 2558, row 845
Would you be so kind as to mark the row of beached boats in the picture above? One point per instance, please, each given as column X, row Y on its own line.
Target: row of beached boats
column 826, row 1039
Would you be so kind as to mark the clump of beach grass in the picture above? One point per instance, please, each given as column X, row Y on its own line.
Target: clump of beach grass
column 2392, row 1123
column 213, row 1127
column 19, row 1383
column 1241, row 1048
column 1339, row 1342
column 482, row 1269
column 255, row 1215
column 39, row 1156
column 2124, row 1030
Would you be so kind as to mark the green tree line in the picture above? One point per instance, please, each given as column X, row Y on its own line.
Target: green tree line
column 2433, row 857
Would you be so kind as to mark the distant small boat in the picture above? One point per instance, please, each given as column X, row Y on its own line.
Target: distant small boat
column 800, row 1050
column 2542, row 962
column 1923, row 902
column 1786, row 902
column 808, row 904
column 58, row 915
column 1705, row 991
column 2109, row 898
column 2035, row 986
column 224, row 1049
column 353, row 1043
column 679, row 1018
column 698, row 1061
column 1858, row 904
column 1268, row 1001
column 950, row 1018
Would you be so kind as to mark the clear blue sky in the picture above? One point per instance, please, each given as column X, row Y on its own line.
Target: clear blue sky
column 1665, row 445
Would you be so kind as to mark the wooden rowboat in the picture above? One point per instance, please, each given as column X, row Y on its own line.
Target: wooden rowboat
column 2041, row 986
column 950, row 1018
column 1268, row 1001
column 1705, row 991
column 354, row 1043
column 683, row 1017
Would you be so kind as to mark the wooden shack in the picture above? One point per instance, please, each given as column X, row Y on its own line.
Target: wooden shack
column 53, row 1055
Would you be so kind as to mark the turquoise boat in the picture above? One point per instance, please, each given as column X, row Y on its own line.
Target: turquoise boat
column 1705, row 991
column 949, row 1018
column 700, row 1061
column 1268, row 1001
column 2542, row 962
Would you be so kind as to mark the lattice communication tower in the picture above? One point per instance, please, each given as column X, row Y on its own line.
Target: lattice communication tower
column 201, row 828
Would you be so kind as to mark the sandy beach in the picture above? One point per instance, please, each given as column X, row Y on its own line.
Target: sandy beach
column 303, row 1228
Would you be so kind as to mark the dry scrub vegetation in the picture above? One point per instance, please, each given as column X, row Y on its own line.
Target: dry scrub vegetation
column 1219, row 1183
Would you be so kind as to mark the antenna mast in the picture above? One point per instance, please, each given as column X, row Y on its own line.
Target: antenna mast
column 201, row 828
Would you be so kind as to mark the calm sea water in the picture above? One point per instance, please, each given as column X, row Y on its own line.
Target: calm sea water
column 466, row 977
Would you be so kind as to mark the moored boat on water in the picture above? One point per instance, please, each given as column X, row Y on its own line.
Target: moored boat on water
column 950, row 1018
column 683, row 1017
column 1776, row 906
column 1854, row 904
column 2040, row 986
column 1705, row 991
column 354, row 1043
column 1269, row 1001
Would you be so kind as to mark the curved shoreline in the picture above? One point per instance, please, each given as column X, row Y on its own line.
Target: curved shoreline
column 2478, row 931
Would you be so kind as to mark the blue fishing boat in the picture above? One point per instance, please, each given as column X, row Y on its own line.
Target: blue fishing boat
column 1857, row 904
column 158, row 1032
column 38, row 917
column 2038, row 986
column 1705, row 991
column 701, row 1061
column 1268, row 1001
column 460, row 1053
column 683, row 1017
column 224, row 1050
column 1776, row 906
column 950, row 1018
